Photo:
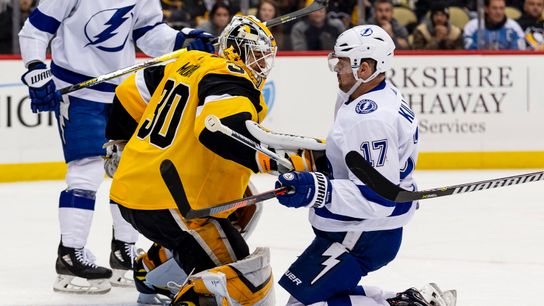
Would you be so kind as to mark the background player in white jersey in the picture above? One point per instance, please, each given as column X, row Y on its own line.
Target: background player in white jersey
column 90, row 38
column 357, row 231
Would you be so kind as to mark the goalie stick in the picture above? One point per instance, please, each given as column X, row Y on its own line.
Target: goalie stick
column 316, row 5
column 386, row 189
column 172, row 180
column 213, row 124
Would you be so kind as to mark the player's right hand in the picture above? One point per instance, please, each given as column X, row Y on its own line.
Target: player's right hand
column 44, row 96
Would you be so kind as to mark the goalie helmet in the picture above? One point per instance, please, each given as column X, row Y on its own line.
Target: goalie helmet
column 363, row 42
column 248, row 42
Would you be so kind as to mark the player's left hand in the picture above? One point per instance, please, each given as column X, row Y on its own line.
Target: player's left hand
column 311, row 189
column 201, row 40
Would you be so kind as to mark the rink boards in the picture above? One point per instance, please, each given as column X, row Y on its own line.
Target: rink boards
column 476, row 111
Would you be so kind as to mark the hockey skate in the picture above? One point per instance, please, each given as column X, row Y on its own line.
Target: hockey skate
column 77, row 272
column 121, row 262
column 436, row 297
column 410, row 297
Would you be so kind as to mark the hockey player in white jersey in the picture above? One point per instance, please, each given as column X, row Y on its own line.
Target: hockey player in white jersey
column 88, row 39
column 357, row 231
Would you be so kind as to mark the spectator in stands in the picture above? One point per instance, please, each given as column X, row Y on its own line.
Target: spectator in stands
column 424, row 6
column 500, row 32
column 182, row 13
column 383, row 17
column 266, row 10
column 219, row 18
column 436, row 32
column 531, row 22
column 316, row 32
column 343, row 10
column 6, row 24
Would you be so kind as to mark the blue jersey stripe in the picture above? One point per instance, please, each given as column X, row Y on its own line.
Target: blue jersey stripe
column 371, row 195
column 401, row 209
column 75, row 78
column 137, row 33
column 409, row 168
column 43, row 22
column 325, row 213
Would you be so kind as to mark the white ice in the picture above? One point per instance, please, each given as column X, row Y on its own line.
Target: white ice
column 488, row 245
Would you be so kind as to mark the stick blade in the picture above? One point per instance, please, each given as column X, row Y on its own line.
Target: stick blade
column 172, row 180
column 371, row 177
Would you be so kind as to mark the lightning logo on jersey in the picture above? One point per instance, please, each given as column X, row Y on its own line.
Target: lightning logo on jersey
column 109, row 30
column 333, row 252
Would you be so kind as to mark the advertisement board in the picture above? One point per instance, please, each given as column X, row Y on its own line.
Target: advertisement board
column 475, row 111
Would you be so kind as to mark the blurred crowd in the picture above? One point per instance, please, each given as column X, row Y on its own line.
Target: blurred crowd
column 413, row 24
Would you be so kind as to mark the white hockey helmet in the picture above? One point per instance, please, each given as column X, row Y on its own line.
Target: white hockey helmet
column 363, row 42
column 248, row 41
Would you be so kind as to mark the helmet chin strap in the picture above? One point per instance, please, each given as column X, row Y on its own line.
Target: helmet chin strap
column 345, row 95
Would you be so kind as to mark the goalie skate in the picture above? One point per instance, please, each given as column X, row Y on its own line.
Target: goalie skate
column 121, row 262
column 77, row 272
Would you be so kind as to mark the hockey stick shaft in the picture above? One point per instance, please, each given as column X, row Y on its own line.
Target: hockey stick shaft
column 172, row 180
column 213, row 124
column 388, row 190
column 316, row 5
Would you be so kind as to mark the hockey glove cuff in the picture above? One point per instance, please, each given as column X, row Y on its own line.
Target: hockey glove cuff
column 42, row 91
column 312, row 189
column 201, row 40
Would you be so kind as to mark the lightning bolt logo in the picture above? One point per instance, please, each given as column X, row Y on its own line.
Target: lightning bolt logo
column 112, row 25
column 333, row 252
column 63, row 116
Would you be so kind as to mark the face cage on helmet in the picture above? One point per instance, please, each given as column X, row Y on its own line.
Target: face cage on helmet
column 259, row 59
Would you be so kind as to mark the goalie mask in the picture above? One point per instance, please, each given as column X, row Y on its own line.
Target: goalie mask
column 248, row 42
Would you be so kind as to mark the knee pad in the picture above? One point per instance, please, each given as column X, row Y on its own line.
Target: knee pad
column 86, row 173
column 245, row 282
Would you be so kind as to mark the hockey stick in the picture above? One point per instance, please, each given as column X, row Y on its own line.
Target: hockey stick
column 386, row 189
column 172, row 180
column 213, row 124
column 316, row 5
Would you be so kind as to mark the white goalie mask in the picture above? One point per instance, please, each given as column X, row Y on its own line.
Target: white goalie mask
column 247, row 40
column 363, row 42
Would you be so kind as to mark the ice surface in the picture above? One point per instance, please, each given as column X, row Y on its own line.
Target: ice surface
column 488, row 245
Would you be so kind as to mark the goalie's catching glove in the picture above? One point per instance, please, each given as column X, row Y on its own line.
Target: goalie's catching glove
column 311, row 189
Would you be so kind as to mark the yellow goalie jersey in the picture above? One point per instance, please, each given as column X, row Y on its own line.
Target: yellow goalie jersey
column 162, row 110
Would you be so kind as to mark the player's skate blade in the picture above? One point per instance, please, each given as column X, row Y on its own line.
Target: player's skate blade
column 122, row 278
column 78, row 285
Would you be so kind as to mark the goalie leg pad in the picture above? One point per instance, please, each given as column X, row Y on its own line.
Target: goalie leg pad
column 245, row 282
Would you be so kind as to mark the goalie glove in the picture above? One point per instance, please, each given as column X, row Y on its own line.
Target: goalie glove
column 114, row 148
column 301, row 160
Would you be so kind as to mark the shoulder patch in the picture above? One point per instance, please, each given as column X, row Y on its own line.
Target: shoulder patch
column 366, row 106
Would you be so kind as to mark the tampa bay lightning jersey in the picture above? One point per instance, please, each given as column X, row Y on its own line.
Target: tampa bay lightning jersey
column 382, row 127
column 91, row 38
